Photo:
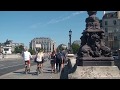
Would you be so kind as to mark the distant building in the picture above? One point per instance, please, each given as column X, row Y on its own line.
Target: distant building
column 46, row 44
column 8, row 46
column 7, row 50
column 111, row 25
column 68, row 45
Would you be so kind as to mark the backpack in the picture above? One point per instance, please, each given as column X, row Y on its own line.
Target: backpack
column 59, row 56
column 38, row 58
column 35, row 59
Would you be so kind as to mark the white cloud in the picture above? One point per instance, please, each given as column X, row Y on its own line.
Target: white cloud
column 78, row 12
column 35, row 25
column 65, row 18
column 59, row 19
column 82, row 11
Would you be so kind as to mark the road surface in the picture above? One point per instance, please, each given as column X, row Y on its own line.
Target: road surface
column 10, row 65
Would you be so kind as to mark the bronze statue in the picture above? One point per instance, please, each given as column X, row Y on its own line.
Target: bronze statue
column 92, row 40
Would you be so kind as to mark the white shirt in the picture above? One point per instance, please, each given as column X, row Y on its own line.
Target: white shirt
column 26, row 55
column 39, row 57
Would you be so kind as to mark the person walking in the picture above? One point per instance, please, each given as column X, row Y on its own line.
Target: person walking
column 59, row 61
column 53, row 61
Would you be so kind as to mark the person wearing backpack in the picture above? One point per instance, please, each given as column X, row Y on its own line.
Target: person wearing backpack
column 59, row 60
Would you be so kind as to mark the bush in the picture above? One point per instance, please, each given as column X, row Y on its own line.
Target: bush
column 32, row 51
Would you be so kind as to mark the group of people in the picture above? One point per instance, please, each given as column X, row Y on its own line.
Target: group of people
column 27, row 57
column 57, row 59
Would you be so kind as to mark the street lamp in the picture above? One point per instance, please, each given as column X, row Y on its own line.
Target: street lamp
column 70, row 34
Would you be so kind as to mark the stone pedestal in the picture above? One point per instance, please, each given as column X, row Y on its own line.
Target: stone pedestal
column 99, row 61
column 71, row 60
column 95, row 72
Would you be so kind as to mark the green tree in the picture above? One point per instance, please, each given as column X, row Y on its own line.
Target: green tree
column 16, row 50
column 32, row 51
column 75, row 48
column 19, row 49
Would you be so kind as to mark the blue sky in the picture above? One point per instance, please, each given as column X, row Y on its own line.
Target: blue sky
column 23, row 26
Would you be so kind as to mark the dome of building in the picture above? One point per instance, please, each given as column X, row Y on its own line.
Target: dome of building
column 62, row 46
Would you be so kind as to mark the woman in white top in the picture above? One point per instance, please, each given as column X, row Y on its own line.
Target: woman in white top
column 39, row 59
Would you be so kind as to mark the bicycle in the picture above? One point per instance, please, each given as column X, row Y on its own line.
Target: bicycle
column 39, row 70
column 27, row 69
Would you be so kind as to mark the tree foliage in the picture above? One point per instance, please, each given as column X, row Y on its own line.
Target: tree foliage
column 75, row 48
column 32, row 51
column 19, row 49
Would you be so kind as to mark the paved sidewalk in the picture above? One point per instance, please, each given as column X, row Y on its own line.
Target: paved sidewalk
column 19, row 74
column 10, row 59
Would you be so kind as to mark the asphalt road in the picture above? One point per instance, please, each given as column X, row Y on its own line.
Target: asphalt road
column 8, row 66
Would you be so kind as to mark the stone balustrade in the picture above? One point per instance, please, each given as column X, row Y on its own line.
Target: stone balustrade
column 72, row 71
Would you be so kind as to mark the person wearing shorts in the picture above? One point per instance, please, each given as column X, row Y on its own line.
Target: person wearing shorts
column 39, row 59
column 27, row 56
column 53, row 61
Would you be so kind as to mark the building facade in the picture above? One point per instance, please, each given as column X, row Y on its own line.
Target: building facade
column 44, row 43
column 8, row 46
column 111, row 25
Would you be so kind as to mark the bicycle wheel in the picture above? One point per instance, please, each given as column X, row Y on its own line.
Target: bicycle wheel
column 37, row 70
column 25, row 69
column 28, row 70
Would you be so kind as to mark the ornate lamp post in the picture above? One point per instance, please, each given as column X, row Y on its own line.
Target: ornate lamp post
column 70, row 34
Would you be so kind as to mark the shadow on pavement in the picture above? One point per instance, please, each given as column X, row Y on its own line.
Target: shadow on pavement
column 22, row 72
column 34, row 73
column 47, row 69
